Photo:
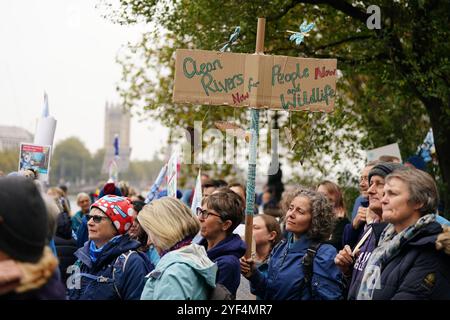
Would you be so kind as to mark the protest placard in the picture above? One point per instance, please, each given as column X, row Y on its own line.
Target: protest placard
column 259, row 81
column 387, row 150
column 36, row 157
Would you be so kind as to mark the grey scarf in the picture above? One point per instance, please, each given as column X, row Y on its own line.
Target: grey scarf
column 389, row 245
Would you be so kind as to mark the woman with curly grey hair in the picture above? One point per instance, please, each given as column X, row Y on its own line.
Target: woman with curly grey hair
column 309, row 221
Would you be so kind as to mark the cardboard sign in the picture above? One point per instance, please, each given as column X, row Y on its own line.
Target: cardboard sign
column 172, row 176
column 254, row 80
column 36, row 157
column 387, row 150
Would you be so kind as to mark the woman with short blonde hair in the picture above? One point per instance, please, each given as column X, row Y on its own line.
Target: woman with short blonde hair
column 168, row 221
column 184, row 271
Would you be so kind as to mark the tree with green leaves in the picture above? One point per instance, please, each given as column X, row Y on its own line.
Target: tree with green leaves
column 9, row 160
column 395, row 81
column 72, row 162
column 69, row 162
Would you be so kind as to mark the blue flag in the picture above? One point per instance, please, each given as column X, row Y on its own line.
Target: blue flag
column 155, row 187
column 116, row 145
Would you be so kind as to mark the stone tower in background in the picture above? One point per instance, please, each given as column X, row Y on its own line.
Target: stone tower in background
column 117, row 121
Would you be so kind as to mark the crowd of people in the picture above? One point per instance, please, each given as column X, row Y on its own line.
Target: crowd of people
column 392, row 244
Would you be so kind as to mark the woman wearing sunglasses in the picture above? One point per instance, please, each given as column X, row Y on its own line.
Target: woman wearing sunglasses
column 108, row 266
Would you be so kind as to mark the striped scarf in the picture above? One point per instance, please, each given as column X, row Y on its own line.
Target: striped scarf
column 184, row 242
column 389, row 245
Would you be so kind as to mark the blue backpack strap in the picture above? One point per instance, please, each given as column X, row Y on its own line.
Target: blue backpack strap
column 100, row 279
column 88, row 275
column 119, row 266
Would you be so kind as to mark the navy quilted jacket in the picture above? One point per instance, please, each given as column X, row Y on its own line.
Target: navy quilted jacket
column 417, row 271
column 109, row 278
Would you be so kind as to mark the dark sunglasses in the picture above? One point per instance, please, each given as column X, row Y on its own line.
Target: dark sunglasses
column 205, row 213
column 97, row 219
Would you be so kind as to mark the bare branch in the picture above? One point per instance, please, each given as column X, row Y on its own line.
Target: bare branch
column 340, row 5
column 350, row 39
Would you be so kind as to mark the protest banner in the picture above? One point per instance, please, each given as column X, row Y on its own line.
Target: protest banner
column 257, row 81
column 36, row 157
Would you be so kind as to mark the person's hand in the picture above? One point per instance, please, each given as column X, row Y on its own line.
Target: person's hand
column 344, row 260
column 371, row 217
column 443, row 240
column 10, row 276
column 247, row 267
column 360, row 218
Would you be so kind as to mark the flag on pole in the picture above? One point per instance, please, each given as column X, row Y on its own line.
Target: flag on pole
column 113, row 171
column 116, row 145
column 427, row 148
column 197, row 198
column 155, row 187
column 172, row 176
column 113, row 166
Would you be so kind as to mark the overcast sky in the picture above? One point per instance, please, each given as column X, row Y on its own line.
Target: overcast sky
column 67, row 49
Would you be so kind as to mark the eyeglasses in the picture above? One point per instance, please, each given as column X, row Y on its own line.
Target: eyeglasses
column 205, row 213
column 97, row 219
column 364, row 178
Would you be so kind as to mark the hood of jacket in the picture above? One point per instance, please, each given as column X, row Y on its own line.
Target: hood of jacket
column 231, row 245
column 193, row 255
column 110, row 251
column 426, row 236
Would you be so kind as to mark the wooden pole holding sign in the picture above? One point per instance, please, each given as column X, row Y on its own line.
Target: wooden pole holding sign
column 260, row 34
column 251, row 175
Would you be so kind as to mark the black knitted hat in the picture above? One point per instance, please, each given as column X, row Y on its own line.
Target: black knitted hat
column 23, row 219
column 383, row 169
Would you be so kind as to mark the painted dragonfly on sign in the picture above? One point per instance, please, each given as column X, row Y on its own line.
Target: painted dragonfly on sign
column 298, row 37
column 233, row 38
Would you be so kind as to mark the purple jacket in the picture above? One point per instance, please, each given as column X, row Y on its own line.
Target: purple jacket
column 365, row 251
